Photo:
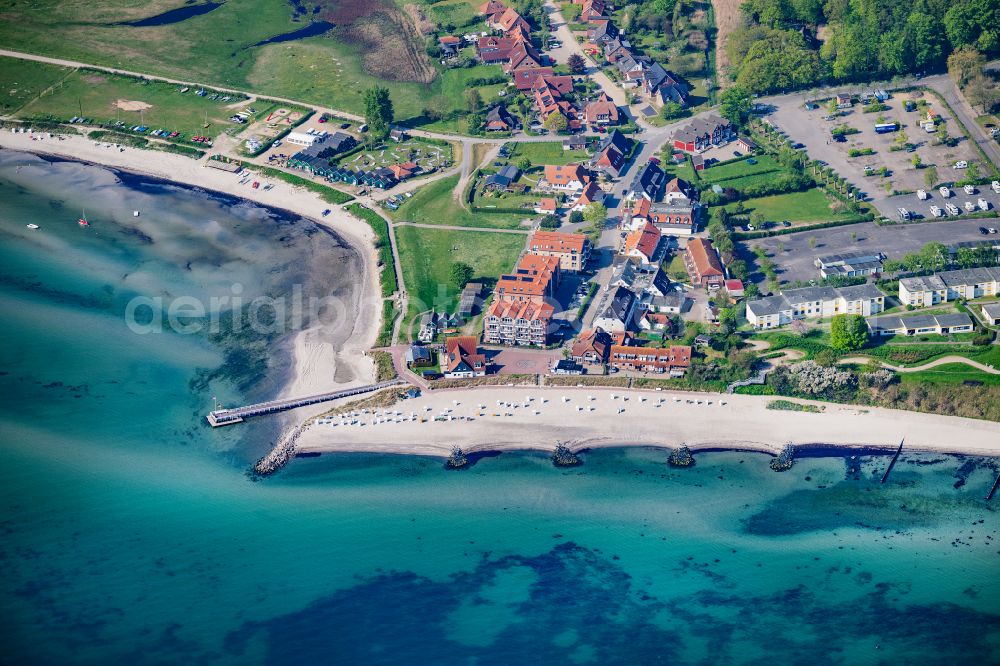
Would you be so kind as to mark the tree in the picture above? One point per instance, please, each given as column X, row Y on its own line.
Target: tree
column 524, row 163
column 848, row 332
column 930, row 176
column 577, row 64
column 735, row 105
column 934, row 256
column 556, row 122
column 671, row 110
column 966, row 257
column 575, row 217
column 549, row 222
column 461, row 273
column 964, row 64
column 473, row 100
column 378, row 112
column 595, row 213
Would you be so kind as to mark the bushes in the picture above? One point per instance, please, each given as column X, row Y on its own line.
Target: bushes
column 387, row 276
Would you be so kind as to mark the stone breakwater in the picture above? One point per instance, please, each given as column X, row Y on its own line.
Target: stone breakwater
column 282, row 452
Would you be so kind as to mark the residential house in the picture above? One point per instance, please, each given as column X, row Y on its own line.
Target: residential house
column 703, row 133
column 660, row 86
column 548, row 94
column 671, row 220
column 568, row 177
column 522, row 56
column 525, row 78
column 520, row 314
column 808, row 302
column 671, row 303
column 991, row 313
column 602, row 33
column 462, row 358
column 492, row 9
column 449, row 45
column 659, row 285
column 646, row 183
column 404, row 170
column 656, row 322
column 678, row 191
column 703, row 264
column 508, row 22
column 624, row 275
column 643, row 246
column 565, row 367
column 967, row 283
column 593, row 11
column 844, row 101
column 611, row 153
column 494, row 49
column 419, row 356
column 602, row 111
column 619, row 314
column 547, row 206
column 577, row 142
column 499, row 120
column 592, row 347
column 572, row 250
column 674, row 360
column 503, row 179
column 735, row 288
column 850, row 264
column 920, row 324
column 591, row 193
column 398, row 135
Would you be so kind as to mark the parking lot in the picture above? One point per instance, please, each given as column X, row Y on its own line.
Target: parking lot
column 795, row 260
column 921, row 209
column 801, row 126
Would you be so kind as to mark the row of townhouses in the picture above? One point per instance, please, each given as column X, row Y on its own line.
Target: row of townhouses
column 809, row 302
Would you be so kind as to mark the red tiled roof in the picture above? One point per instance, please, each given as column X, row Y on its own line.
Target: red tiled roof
column 705, row 259
column 557, row 241
column 565, row 174
column 463, row 348
column 645, row 240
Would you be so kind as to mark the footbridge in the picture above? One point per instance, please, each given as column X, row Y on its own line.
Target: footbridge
column 224, row 417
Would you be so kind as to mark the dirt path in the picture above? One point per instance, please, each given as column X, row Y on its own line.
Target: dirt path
column 727, row 19
column 944, row 360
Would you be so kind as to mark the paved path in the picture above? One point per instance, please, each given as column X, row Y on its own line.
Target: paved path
column 457, row 228
column 944, row 360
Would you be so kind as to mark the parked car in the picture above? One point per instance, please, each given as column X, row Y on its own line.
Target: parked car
column 737, row 153
column 984, row 231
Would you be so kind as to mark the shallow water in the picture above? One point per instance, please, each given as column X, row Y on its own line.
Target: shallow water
column 131, row 535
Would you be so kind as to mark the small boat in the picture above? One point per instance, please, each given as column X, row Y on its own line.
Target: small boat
column 135, row 213
column 83, row 220
column 32, row 226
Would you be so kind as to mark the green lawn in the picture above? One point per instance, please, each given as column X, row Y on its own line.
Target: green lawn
column 950, row 373
column 457, row 13
column 21, row 81
column 434, row 204
column 548, row 152
column 738, row 170
column 221, row 48
column 427, row 256
column 808, row 206
column 95, row 96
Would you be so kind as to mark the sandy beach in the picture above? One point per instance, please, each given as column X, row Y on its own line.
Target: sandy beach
column 587, row 417
column 319, row 365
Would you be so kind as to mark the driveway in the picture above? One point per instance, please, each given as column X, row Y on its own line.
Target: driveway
column 525, row 361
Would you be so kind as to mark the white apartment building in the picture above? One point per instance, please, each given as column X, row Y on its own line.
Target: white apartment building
column 810, row 302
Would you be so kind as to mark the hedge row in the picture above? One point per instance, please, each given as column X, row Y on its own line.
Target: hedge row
column 387, row 276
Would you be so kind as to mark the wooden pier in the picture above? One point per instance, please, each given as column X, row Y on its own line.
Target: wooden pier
column 224, row 417
column 892, row 463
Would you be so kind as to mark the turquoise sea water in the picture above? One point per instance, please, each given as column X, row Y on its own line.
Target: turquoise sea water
column 130, row 534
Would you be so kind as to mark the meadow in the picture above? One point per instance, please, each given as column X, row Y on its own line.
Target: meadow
column 434, row 203
column 426, row 258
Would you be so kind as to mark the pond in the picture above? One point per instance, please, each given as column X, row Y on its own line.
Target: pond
column 175, row 15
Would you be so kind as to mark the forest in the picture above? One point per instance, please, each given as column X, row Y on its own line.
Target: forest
column 787, row 44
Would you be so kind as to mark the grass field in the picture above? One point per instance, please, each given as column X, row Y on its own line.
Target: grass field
column 434, row 204
column 808, row 206
column 98, row 96
column 22, row 81
column 950, row 373
column 426, row 257
column 734, row 170
column 546, row 153
column 223, row 48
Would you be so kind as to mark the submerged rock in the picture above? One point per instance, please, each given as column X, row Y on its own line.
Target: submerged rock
column 563, row 457
column 681, row 457
column 457, row 459
column 784, row 460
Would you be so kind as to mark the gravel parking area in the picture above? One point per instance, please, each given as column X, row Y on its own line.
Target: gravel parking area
column 809, row 128
column 922, row 209
column 795, row 261
column 523, row 361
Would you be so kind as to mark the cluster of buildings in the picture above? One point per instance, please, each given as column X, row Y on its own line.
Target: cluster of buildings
column 650, row 79
column 814, row 302
column 702, row 133
column 668, row 206
column 521, row 311
column 315, row 158
column 947, row 286
column 598, row 347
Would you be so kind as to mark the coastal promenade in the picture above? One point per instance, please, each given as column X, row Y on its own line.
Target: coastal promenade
column 224, row 417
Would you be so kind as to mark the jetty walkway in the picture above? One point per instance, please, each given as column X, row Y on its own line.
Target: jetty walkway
column 224, row 417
